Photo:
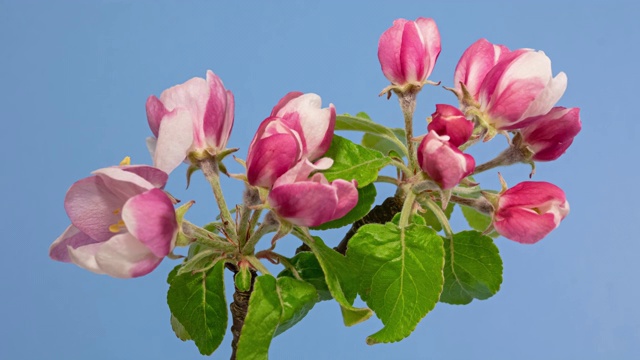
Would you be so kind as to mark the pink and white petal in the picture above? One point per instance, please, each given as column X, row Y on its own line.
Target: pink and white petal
column 271, row 157
column 174, row 141
column 214, row 121
column 431, row 39
column 413, row 55
column 523, row 225
column 90, row 206
column 347, row 193
column 123, row 256
column 155, row 112
column 85, row 257
column 192, row 95
column 71, row 237
column 151, row 219
column 304, row 203
column 123, row 184
column 476, row 61
column 284, row 101
column 302, row 170
column 389, row 52
column 548, row 98
column 151, row 146
column 153, row 175
column 531, row 194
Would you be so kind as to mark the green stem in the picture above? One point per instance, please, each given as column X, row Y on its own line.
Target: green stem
column 407, row 209
column 210, row 169
column 440, row 215
column 408, row 105
column 255, row 262
column 404, row 168
column 387, row 179
column 250, row 245
column 207, row 237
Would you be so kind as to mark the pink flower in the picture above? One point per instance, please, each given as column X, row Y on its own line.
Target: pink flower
column 527, row 212
column 312, row 201
column 448, row 120
column 297, row 128
column 550, row 135
column 192, row 118
column 122, row 223
column 442, row 161
column 517, row 86
column 408, row 51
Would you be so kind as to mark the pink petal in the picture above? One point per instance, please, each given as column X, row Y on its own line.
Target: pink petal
column 548, row 97
column 304, row 203
column 155, row 176
column 123, row 256
column 174, row 140
column 123, row 183
column 389, row 52
column 218, row 115
column 531, row 194
column 523, row 225
column 431, row 39
column 302, row 170
column 71, row 237
column 90, row 206
column 476, row 61
column 551, row 134
column 85, row 257
column 155, row 112
column 271, row 157
column 285, row 99
column 347, row 192
column 413, row 55
column 150, row 218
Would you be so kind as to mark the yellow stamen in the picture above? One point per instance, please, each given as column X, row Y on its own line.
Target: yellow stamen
column 115, row 228
column 125, row 161
column 116, row 211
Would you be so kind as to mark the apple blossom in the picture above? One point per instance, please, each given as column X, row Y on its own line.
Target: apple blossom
column 193, row 119
column 550, row 135
column 312, row 201
column 442, row 161
column 408, row 51
column 529, row 211
column 122, row 223
column 297, row 128
column 448, row 120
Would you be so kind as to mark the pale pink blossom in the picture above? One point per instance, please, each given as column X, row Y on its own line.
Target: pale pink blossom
column 122, row 223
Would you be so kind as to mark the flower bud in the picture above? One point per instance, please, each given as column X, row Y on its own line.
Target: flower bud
column 194, row 118
column 448, row 120
column 408, row 51
column 442, row 161
column 312, row 201
column 550, row 135
column 297, row 128
column 529, row 211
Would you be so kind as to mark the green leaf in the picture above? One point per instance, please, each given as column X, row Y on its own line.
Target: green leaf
column 400, row 272
column 180, row 331
column 362, row 122
column 342, row 281
column 297, row 298
column 432, row 220
column 383, row 144
column 473, row 268
column 354, row 162
column 477, row 220
column 263, row 317
column 274, row 306
column 310, row 271
column 198, row 303
column 366, row 198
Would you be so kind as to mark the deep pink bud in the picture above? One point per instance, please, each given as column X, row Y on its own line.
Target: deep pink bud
column 312, row 201
column 297, row 128
column 408, row 51
column 527, row 212
column 551, row 134
column 442, row 161
column 123, row 224
column 448, row 120
column 194, row 117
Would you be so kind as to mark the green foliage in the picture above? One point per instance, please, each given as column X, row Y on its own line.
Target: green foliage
column 354, row 162
column 400, row 275
column 309, row 270
column 274, row 306
column 477, row 220
column 366, row 198
column 341, row 280
column 432, row 220
column 383, row 144
column 473, row 268
column 197, row 301
column 362, row 122
column 180, row 331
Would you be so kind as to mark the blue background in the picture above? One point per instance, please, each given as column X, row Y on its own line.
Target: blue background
column 74, row 77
